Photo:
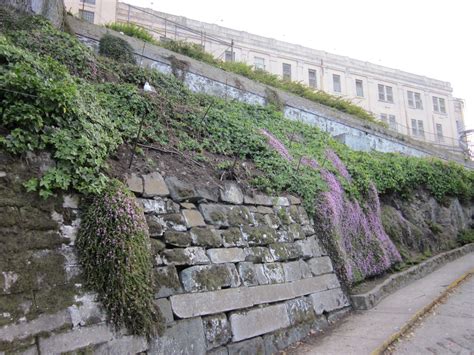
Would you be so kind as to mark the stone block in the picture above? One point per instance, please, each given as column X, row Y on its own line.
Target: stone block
column 164, row 306
column 284, row 237
column 304, row 218
column 186, row 256
column 294, row 213
column 280, row 201
column 154, row 185
column 258, row 255
column 294, row 200
column 157, row 206
column 253, row 346
column 320, row 265
column 231, row 193
column 296, row 232
column 196, row 304
column 308, row 230
column 188, row 206
column 292, row 271
column 71, row 201
column 124, row 345
column 183, row 337
column 209, row 194
column 248, row 273
column 226, row 255
column 239, row 216
column 305, row 269
column 260, row 199
column 175, row 221
column 180, row 190
column 284, row 215
column 282, row 339
column 336, row 316
column 309, row 247
column 218, row 351
column 329, row 300
column 285, row 251
column 262, row 235
column 233, row 237
column 272, row 221
column 215, row 214
column 193, row 218
column 75, row 339
column 206, row 237
column 258, row 321
column 216, row 330
column 274, row 273
column 156, row 225
column 300, row 310
column 157, row 246
column 179, row 239
column 166, row 281
column 264, row 210
column 259, row 219
column 135, row 183
column 209, row 277
column 86, row 311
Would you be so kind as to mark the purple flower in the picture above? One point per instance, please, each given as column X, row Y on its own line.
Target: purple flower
column 277, row 145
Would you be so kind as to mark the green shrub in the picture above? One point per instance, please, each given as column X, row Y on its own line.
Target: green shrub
column 132, row 30
column 114, row 252
column 466, row 236
column 116, row 48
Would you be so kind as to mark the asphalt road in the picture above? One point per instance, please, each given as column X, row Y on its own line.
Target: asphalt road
column 447, row 329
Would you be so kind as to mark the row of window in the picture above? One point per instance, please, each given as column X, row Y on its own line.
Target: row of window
column 417, row 128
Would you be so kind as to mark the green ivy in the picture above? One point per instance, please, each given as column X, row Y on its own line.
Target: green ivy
column 116, row 48
column 132, row 30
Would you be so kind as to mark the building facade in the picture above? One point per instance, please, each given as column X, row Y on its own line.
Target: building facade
column 414, row 105
column 99, row 12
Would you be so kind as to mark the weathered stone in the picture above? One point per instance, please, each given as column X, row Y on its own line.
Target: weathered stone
column 210, row 194
column 248, row 273
column 253, row 346
column 259, row 219
column 258, row 255
column 336, row 316
column 292, row 271
column 166, row 281
column 252, row 209
column 231, row 193
column 239, row 216
column 262, row 200
column 294, row 214
column 281, row 339
column 264, row 210
column 44, row 323
column 209, row 277
column 294, row 200
column 258, row 321
column 226, row 255
column 300, row 310
column 321, row 265
column 193, row 218
column 274, row 273
column 156, row 206
column 179, row 239
column 180, row 190
column 71, row 201
column 186, row 256
column 124, row 345
column 283, row 215
column 86, row 311
column 188, row 206
column 280, row 201
column 195, row 304
column 305, row 269
column 233, row 237
column 75, row 339
column 309, row 247
column 284, row 237
column 296, row 231
column 183, row 337
column 215, row 214
column 154, row 185
column 206, row 237
column 218, row 351
column 304, row 218
column 326, row 301
column 155, row 225
column 285, row 251
column 175, row 221
column 259, row 235
column 308, row 230
column 217, row 330
column 135, row 183
column 171, row 206
column 164, row 306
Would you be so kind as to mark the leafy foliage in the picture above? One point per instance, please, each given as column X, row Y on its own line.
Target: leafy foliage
column 115, row 255
column 466, row 236
column 132, row 30
column 116, row 48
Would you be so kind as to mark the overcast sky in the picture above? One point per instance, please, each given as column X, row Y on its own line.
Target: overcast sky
column 425, row 37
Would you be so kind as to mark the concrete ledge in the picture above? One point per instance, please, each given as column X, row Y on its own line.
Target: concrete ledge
column 370, row 299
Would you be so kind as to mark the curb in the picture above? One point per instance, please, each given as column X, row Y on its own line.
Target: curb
column 368, row 300
column 395, row 336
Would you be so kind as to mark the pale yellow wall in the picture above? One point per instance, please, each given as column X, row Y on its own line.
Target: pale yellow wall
column 104, row 10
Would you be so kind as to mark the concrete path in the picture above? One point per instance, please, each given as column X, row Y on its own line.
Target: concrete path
column 448, row 329
column 364, row 331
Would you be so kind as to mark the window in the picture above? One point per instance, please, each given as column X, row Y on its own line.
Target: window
column 92, row 2
column 385, row 93
column 259, row 63
column 417, row 128
column 229, row 56
column 459, row 126
column 392, row 122
column 87, row 16
column 313, row 83
column 359, row 88
column 336, row 83
column 439, row 132
column 414, row 100
column 439, row 105
column 286, row 71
